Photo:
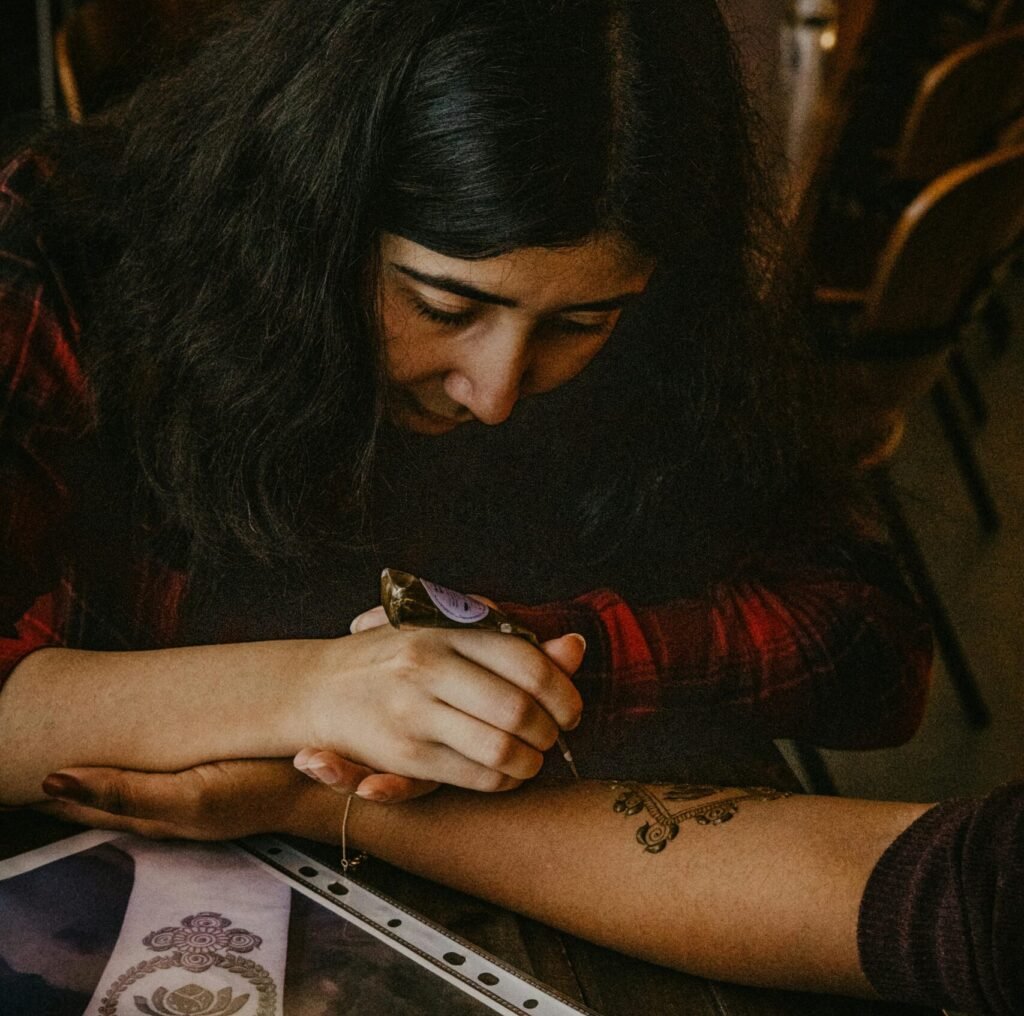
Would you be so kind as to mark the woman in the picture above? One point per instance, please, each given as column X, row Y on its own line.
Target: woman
column 344, row 293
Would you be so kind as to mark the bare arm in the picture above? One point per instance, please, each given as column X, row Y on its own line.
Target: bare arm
column 158, row 710
column 475, row 709
column 768, row 897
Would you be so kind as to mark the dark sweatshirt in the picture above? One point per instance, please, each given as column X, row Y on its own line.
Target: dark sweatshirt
column 942, row 917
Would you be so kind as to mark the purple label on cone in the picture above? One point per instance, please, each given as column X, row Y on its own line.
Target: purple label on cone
column 455, row 606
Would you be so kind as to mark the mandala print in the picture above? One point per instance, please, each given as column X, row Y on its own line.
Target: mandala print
column 200, row 942
column 200, row 937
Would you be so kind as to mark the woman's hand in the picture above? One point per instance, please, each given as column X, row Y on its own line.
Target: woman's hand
column 469, row 708
column 217, row 801
column 340, row 774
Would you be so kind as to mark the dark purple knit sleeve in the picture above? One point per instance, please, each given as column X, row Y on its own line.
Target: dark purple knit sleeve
column 942, row 917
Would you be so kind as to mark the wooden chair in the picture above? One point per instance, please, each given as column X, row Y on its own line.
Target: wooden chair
column 961, row 106
column 104, row 48
column 1006, row 12
column 966, row 105
column 910, row 317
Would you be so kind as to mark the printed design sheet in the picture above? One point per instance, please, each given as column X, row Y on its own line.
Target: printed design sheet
column 104, row 924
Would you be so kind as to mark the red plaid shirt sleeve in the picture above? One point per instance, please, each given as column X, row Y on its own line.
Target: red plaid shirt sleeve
column 832, row 650
column 43, row 397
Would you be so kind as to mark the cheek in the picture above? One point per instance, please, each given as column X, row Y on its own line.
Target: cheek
column 411, row 351
column 556, row 366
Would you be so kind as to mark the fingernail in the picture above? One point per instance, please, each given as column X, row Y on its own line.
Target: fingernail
column 354, row 626
column 575, row 723
column 66, row 788
column 323, row 772
column 580, row 638
column 373, row 795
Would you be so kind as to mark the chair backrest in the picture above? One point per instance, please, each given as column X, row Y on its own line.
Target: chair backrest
column 956, row 228
column 1006, row 12
column 961, row 105
column 104, row 48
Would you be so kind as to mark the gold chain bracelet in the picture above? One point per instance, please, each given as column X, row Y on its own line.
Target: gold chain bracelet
column 349, row 863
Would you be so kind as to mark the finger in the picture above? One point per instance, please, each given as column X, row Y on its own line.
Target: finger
column 391, row 788
column 345, row 777
column 478, row 692
column 331, row 769
column 114, row 791
column 454, row 769
column 485, row 745
column 372, row 618
column 96, row 819
column 566, row 652
column 526, row 667
column 194, row 796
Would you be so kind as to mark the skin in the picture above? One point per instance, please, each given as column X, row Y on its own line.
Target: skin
column 537, row 318
column 471, row 709
column 770, row 897
column 333, row 769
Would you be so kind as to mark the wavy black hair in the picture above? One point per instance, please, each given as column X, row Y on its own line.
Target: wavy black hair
column 220, row 228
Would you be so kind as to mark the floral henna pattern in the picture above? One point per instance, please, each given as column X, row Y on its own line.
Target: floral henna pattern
column 201, row 941
column 191, row 1000
column 663, row 819
column 200, row 937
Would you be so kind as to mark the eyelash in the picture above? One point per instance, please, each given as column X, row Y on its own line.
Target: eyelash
column 455, row 319
column 442, row 317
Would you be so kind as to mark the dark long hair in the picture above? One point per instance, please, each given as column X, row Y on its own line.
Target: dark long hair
column 225, row 220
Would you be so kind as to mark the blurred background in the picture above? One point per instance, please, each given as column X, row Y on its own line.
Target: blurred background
column 893, row 131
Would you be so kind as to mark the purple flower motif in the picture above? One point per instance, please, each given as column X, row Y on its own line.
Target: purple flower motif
column 200, row 937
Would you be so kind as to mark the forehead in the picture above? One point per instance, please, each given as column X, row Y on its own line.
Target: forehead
column 596, row 269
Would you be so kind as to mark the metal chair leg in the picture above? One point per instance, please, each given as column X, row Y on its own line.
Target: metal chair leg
column 995, row 317
column 817, row 778
column 966, row 460
column 957, row 666
column 967, row 385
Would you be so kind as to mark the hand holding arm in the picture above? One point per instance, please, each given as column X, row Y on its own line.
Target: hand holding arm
column 338, row 772
column 474, row 709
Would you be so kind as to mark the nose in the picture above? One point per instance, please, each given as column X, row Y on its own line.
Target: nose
column 488, row 381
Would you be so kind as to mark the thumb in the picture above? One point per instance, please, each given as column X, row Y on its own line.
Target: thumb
column 372, row 618
column 333, row 770
column 117, row 791
column 566, row 652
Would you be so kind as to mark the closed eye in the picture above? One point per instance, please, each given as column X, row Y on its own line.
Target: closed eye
column 449, row 318
column 568, row 326
column 460, row 318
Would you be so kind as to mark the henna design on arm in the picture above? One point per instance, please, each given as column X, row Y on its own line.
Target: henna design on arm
column 664, row 815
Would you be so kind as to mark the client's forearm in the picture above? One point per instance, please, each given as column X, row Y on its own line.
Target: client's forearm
column 769, row 896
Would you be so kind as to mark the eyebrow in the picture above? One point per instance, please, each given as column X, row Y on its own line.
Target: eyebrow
column 458, row 288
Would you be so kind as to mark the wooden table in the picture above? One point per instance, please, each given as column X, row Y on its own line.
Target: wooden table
column 608, row 982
